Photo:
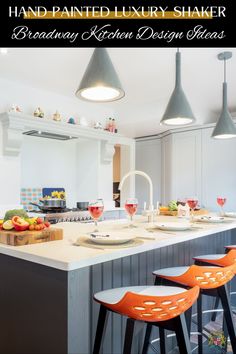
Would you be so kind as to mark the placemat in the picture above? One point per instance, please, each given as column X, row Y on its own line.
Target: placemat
column 86, row 242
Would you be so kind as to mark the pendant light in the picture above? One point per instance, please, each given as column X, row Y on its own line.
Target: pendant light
column 100, row 82
column 225, row 128
column 178, row 111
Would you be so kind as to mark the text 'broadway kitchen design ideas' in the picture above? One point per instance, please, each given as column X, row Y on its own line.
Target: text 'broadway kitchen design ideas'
column 117, row 200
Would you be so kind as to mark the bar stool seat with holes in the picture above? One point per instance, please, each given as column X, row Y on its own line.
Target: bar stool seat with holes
column 231, row 247
column 160, row 306
column 212, row 281
column 222, row 260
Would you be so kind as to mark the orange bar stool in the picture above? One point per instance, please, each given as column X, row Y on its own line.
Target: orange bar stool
column 212, row 282
column 221, row 260
column 160, row 306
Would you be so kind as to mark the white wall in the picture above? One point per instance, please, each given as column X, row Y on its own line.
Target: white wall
column 45, row 163
column 50, row 163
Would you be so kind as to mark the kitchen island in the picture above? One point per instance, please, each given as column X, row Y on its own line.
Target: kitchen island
column 47, row 289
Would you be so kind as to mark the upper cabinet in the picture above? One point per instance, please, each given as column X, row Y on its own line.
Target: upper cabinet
column 218, row 170
column 148, row 159
column 189, row 163
column 186, row 164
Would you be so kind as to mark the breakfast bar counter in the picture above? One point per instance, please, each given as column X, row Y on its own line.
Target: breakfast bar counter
column 46, row 296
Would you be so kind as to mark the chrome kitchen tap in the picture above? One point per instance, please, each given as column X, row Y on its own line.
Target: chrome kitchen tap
column 150, row 211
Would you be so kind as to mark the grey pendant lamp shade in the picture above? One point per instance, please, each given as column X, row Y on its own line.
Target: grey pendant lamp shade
column 100, row 82
column 225, row 128
column 178, row 111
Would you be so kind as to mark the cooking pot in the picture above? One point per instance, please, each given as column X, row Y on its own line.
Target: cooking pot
column 53, row 203
column 57, row 204
column 82, row 205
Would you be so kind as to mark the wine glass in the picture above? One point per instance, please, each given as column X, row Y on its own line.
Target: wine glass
column 95, row 209
column 221, row 202
column 131, row 207
column 192, row 203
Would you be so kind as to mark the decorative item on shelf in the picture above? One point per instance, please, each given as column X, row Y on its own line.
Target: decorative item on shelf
column 15, row 109
column 178, row 111
column 38, row 113
column 225, row 128
column 100, row 82
column 56, row 116
column 111, row 125
column 71, row 120
column 98, row 125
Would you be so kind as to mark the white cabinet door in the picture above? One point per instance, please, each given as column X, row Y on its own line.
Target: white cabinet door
column 148, row 159
column 186, row 164
column 218, row 171
column 166, row 169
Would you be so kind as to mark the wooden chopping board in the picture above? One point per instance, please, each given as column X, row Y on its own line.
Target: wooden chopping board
column 20, row 238
column 174, row 213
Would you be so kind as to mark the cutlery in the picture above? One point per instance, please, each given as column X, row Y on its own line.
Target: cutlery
column 100, row 235
column 146, row 238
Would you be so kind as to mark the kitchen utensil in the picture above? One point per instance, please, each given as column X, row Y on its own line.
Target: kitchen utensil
column 87, row 242
column 54, row 203
column 82, row 205
column 192, row 203
column 111, row 238
column 221, row 202
column 131, row 207
column 16, row 238
column 210, row 219
column 95, row 209
column 47, row 208
column 230, row 214
column 173, row 226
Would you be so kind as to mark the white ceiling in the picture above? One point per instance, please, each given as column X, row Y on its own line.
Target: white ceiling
column 147, row 75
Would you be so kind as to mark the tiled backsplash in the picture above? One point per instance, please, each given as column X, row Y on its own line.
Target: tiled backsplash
column 29, row 195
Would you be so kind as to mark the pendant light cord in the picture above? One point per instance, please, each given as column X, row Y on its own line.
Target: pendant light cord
column 224, row 70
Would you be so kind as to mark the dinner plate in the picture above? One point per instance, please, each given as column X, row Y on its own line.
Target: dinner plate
column 173, row 226
column 210, row 219
column 230, row 214
column 111, row 238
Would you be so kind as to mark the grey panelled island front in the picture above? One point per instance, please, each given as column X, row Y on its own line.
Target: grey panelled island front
column 47, row 309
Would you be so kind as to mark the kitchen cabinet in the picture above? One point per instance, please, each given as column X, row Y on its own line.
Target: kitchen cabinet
column 218, row 171
column 47, row 304
column 148, row 159
column 186, row 164
column 166, row 169
column 190, row 163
